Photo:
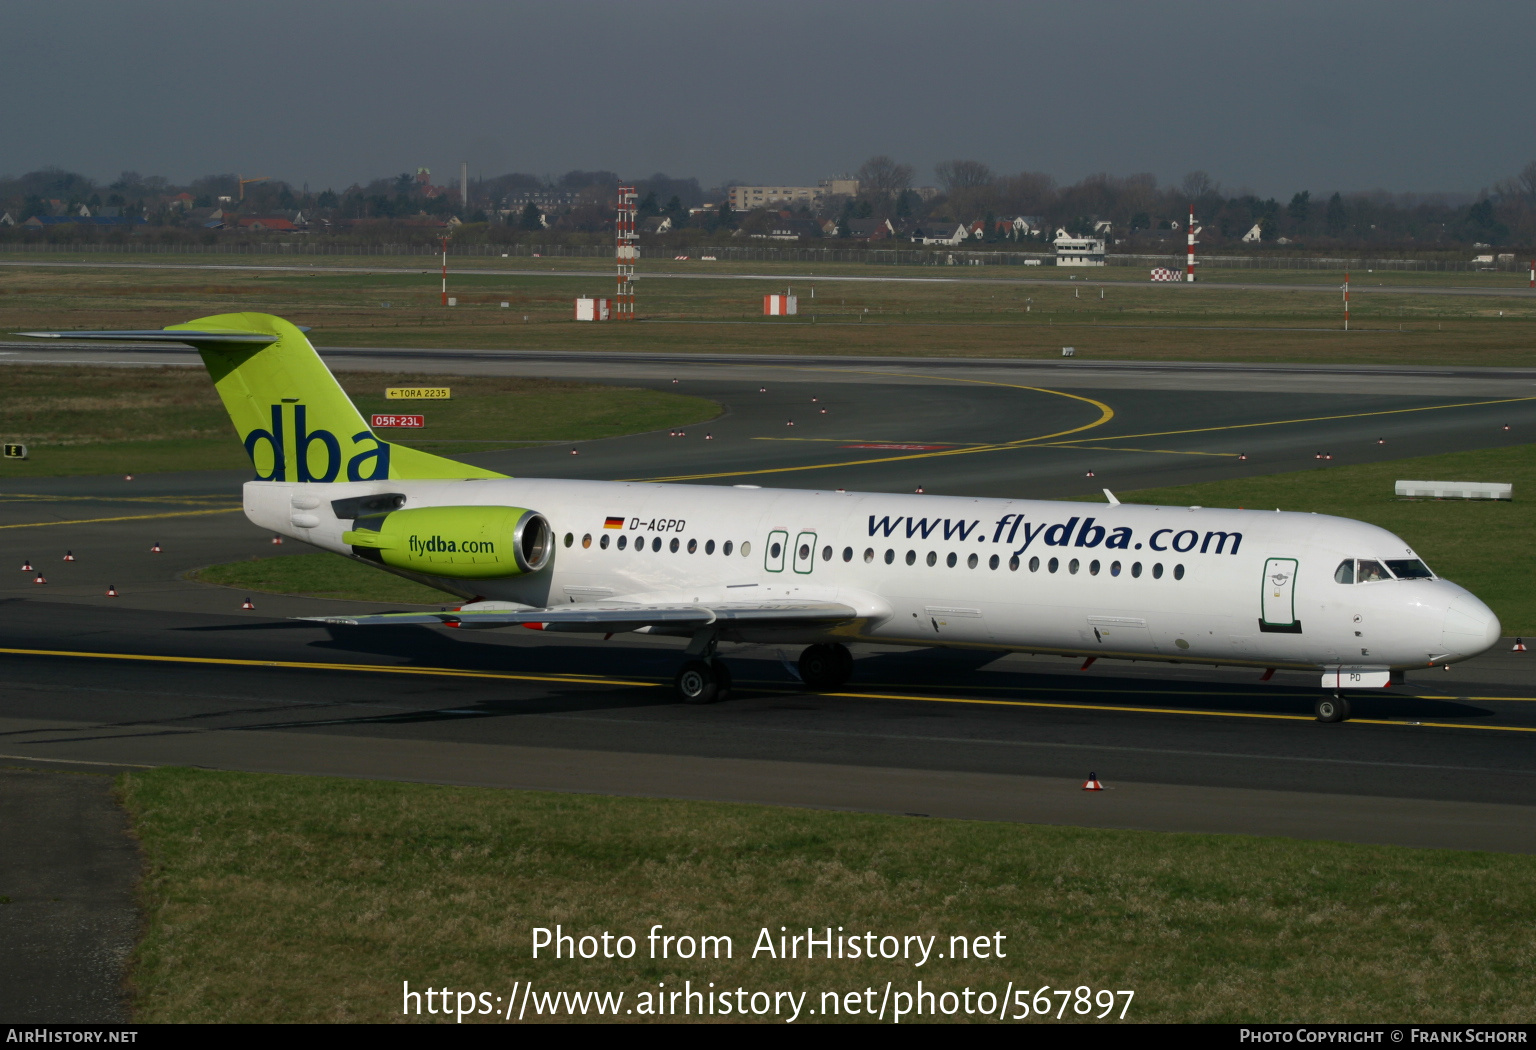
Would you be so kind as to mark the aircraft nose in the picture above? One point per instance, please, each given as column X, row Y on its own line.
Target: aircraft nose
column 1470, row 626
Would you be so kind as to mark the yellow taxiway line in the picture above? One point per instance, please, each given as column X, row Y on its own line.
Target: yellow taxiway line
column 127, row 517
column 576, row 679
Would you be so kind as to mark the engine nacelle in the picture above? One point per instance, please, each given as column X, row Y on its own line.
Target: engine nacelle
column 466, row 543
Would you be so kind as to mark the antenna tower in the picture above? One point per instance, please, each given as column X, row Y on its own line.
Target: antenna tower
column 627, row 253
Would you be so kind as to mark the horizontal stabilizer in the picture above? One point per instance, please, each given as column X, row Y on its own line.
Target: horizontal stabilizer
column 616, row 617
column 160, row 336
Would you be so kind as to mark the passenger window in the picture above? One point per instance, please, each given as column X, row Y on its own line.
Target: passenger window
column 1093, row 568
column 693, row 546
column 603, row 541
column 1053, row 565
column 774, row 550
column 992, row 562
column 1370, row 572
column 1034, row 564
column 911, row 557
column 746, row 548
column 890, row 556
column 932, row 559
column 709, row 546
column 656, row 544
column 847, row 554
column 826, row 554
column 623, row 541
column 869, row 555
column 569, row 539
column 1013, row 565
column 1178, row 572
column 950, row 561
column 1136, row 570
column 674, row 545
column 1157, row 571
column 1072, row 567
column 725, row 548
column 586, row 541
column 1345, row 573
column 1114, row 568
column 971, row 561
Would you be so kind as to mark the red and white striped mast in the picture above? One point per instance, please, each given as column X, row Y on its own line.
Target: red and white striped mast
column 1189, row 260
column 627, row 252
column 445, row 271
column 1346, row 300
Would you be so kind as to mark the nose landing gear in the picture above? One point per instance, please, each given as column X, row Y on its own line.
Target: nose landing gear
column 824, row 667
column 1332, row 708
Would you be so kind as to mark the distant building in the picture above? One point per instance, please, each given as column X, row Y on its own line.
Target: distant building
column 1078, row 251
column 656, row 224
column 843, row 187
column 941, row 231
column 1254, row 235
column 268, row 223
column 38, row 222
column 746, row 198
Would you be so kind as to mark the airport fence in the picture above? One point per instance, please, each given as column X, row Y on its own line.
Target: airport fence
column 926, row 256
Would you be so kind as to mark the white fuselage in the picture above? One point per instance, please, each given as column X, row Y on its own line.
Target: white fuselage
column 1183, row 584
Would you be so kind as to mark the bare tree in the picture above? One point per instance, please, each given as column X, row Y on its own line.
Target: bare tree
column 1197, row 184
column 963, row 175
column 882, row 179
column 1527, row 181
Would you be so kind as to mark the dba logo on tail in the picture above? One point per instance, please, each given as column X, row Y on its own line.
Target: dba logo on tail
column 269, row 451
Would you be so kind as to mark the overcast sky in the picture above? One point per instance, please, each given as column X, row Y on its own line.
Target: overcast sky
column 1411, row 95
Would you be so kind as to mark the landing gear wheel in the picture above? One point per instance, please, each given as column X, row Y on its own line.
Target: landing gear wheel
column 698, row 682
column 824, row 667
column 1332, row 709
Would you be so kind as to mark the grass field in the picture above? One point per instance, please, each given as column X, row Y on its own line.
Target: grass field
column 80, row 419
column 281, row 898
column 1484, row 546
column 321, row 575
column 993, row 316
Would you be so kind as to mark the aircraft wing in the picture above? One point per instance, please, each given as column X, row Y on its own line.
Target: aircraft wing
column 619, row 617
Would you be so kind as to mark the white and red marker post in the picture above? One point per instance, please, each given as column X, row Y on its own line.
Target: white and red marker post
column 1533, row 273
column 1189, row 261
column 1346, row 300
column 445, row 271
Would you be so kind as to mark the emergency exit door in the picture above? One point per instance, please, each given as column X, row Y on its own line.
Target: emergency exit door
column 1278, row 607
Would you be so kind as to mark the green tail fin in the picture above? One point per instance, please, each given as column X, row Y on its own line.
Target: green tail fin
column 295, row 420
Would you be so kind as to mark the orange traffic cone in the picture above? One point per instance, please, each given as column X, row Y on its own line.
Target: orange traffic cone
column 1092, row 783
column 39, row 579
column 69, row 555
column 276, row 540
column 111, row 591
column 155, row 549
column 1519, row 646
column 247, row 604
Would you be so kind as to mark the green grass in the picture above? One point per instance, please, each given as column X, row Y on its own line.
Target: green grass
column 321, row 575
column 78, row 419
column 280, row 898
column 1486, row 546
column 1299, row 320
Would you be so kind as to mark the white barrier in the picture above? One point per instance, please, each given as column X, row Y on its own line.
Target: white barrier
column 1455, row 490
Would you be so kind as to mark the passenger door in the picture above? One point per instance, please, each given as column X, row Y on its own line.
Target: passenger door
column 774, row 550
column 805, row 552
column 1278, row 607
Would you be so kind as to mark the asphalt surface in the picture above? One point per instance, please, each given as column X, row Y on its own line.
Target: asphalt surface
column 174, row 671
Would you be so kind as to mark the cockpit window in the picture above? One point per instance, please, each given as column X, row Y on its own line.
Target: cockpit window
column 1370, row 571
column 1345, row 573
column 1410, row 569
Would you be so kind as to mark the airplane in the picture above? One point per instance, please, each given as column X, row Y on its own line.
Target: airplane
column 820, row 569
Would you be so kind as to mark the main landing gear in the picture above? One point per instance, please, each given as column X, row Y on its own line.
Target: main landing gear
column 703, row 681
column 824, row 667
column 1332, row 708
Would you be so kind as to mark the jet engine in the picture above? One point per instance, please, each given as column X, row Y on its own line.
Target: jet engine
column 467, row 543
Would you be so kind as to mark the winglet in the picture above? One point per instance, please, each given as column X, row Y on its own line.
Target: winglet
column 1111, row 497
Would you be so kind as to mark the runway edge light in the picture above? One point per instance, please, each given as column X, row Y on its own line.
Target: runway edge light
column 1519, row 646
column 247, row 604
column 111, row 591
column 1092, row 783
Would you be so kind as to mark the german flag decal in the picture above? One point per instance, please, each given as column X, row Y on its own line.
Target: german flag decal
column 613, row 523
